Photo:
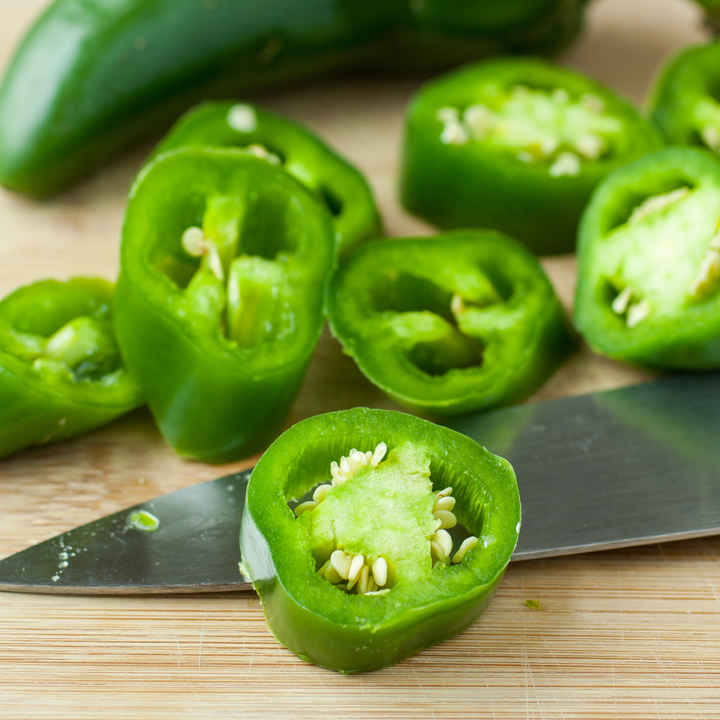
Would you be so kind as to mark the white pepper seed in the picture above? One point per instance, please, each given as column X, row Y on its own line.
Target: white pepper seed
column 621, row 302
column 637, row 313
column 711, row 137
column 447, row 115
column 321, row 492
column 444, row 503
column 444, row 540
column 467, row 544
column 380, row 571
column 356, row 566
column 656, row 203
column 437, row 552
column 194, row 242
column 480, row 119
column 567, row 163
column 446, row 518
column 242, row 118
column 362, row 583
column 708, row 274
column 262, row 152
column 590, row 146
column 341, row 562
column 454, row 133
column 457, row 304
column 332, row 575
column 308, row 506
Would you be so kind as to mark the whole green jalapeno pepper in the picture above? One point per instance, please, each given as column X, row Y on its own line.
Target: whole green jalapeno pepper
column 449, row 324
column 339, row 184
column 61, row 373
column 225, row 260
column 648, row 287
column 684, row 101
column 516, row 144
column 93, row 77
column 404, row 537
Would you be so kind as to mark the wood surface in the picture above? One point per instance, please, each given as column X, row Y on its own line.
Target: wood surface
column 624, row 634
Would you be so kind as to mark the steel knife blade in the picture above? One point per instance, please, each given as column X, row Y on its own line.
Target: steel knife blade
column 611, row 469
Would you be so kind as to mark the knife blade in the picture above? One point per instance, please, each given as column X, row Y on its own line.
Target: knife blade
column 611, row 469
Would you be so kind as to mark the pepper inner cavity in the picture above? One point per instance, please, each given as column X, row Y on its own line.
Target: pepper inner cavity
column 536, row 125
column 378, row 521
column 662, row 252
column 82, row 349
column 245, row 294
column 428, row 319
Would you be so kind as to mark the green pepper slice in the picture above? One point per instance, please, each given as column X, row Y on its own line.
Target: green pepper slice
column 649, row 262
column 60, row 368
column 367, row 574
column 516, row 144
column 685, row 100
column 225, row 260
column 339, row 184
column 449, row 324
column 93, row 77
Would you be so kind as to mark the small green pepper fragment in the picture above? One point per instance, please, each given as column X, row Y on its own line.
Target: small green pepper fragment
column 366, row 573
column 449, row 324
column 61, row 373
column 516, row 144
column 340, row 186
column 225, row 261
column 684, row 102
column 649, row 262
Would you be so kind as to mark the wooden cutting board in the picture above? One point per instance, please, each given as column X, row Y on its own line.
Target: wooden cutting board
column 625, row 634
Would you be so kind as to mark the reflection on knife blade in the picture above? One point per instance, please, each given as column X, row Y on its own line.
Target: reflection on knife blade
column 611, row 469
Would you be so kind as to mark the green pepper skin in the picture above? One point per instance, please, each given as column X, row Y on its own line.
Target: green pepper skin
column 684, row 102
column 479, row 185
column 333, row 179
column 38, row 406
column 658, row 256
column 93, row 77
column 440, row 34
column 355, row 633
column 212, row 399
column 520, row 328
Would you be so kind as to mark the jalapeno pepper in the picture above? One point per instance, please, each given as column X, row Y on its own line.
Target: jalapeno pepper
column 60, row 368
column 225, row 261
column 91, row 77
column 684, row 100
column 517, row 145
column 449, row 324
column 341, row 187
column 649, row 262
column 365, row 573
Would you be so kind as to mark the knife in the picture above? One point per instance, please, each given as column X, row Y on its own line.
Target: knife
column 607, row 470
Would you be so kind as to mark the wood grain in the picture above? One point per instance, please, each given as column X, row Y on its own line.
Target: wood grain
column 626, row 634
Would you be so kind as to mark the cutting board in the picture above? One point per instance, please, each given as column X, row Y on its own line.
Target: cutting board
column 632, row 633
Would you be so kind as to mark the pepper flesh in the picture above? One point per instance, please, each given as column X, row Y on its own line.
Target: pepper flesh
column 426, row 602
column 649, row 263
column 225, row 260
column 60, row 369
column 516, row 144
column 335, row 181
column 449, row 324
column 91, row 78
column 684, row 101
